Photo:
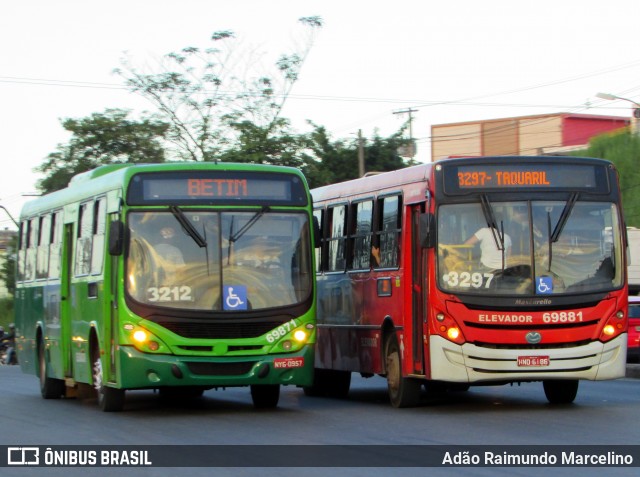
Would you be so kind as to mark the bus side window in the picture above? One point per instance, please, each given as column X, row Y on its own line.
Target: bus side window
column 22, row 250
column 320, row 248
column 44, row 234
column 83, row 239
column 360, row 236
column 388, row 231
column 55, row 249
column 337, row 238
column 31, row 250
column 98, row 234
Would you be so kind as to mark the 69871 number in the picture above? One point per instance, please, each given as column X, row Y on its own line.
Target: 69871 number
column 277, row 333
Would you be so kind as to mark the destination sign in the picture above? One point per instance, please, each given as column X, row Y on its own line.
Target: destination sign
column 211, row 187
column 468, row 177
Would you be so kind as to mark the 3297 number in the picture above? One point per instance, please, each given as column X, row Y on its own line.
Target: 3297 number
column 468, row 279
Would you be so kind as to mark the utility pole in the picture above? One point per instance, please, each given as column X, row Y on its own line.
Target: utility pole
column 361, row 170
column 412, row 148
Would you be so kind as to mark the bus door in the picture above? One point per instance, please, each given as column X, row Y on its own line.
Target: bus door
column 65, row 300
column 111, row 292
column 418, row 289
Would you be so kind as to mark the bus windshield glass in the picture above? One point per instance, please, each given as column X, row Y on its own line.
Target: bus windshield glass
column 218, row 261
column 529, row 248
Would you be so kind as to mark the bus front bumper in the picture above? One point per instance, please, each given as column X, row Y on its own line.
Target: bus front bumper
column 470, row 363
column 145, row 371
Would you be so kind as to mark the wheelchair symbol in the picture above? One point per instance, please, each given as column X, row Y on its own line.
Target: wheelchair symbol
column 545, row 285
column 235, row 297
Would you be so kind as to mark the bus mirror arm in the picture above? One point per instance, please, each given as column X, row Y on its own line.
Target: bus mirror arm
column 427, row 230
column 116, row 238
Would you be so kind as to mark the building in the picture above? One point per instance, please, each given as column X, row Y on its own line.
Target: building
column 524, row 135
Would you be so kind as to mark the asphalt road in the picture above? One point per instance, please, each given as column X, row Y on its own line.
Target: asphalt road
column 604, row 414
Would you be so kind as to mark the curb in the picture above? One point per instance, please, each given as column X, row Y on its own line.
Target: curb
column 633, row 371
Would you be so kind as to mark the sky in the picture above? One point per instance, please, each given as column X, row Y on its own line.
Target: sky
column 450, row 61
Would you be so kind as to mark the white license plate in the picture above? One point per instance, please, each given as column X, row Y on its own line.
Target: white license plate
column 533, row 361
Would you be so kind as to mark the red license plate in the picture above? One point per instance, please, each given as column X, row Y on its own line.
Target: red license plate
column 283, row 363
column 533, row 361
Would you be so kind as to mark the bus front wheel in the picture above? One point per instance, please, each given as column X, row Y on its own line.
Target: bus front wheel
column 403, row 392
column 109, row 399
column 561, row 391
column 50, row 388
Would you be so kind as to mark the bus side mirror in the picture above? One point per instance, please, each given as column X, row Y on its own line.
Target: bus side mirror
column 116, row 238
column 316, row 232
column 427, row 230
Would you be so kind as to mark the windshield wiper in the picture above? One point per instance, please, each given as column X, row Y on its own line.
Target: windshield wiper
column 188, row 226
column 235, row 237
column 490, row 217
column 564, row 216
column 562, row 221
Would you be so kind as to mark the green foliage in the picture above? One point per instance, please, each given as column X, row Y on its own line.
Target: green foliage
column 623, row 149
column 213, row 110
column 274, row 144
column 8, row 269
column 6, row 313
column 102, row 138
column 337, row 161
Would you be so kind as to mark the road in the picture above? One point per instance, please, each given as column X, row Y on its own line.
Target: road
column 605, row 413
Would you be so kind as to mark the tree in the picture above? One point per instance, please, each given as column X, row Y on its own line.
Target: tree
column 8, row 269
column 102, row 138
column 275, row 144
column 337, row 161
column 210, row 107
column 623, row 149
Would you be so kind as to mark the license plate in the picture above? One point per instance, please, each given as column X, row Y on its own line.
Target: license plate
column 533, row 361
column 283, row 363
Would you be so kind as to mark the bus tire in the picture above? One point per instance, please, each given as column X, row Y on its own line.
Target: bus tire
column 265, row 396
column 562, row 391
column 50, row 388
column 109, row 399
column 403, row 392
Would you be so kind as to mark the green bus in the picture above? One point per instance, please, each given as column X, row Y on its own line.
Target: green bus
column 177, row 277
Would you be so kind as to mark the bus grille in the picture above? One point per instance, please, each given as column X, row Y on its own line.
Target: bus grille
column 220, row 330
column 220, row 369
column 539, row 346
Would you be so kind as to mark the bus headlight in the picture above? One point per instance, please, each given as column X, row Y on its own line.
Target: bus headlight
column 615, row 325
column 141, row 339
column 453, row 333
column 448, row 328
column 140, row 336
column 300, row 336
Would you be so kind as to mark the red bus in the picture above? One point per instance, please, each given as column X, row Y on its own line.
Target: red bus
column 472, row 271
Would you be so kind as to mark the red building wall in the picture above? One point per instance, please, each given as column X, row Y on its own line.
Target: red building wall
column 577, row 130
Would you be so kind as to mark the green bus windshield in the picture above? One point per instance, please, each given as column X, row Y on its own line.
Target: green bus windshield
column 222, row 261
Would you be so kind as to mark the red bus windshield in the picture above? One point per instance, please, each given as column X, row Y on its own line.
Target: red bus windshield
column 529, row 248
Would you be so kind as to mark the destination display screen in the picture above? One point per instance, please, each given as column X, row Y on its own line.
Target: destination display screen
column 470, row 177
column 216, row 187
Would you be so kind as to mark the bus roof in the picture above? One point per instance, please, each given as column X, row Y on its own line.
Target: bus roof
column 384, row 180
column 115, row 176
column 421, row 173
